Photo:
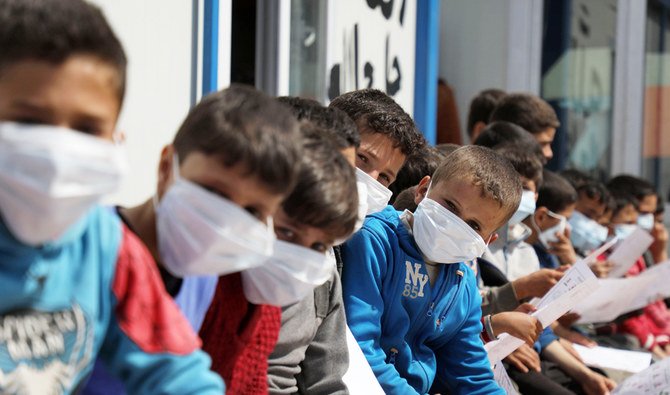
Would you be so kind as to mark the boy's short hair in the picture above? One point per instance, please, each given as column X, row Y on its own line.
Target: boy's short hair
column 621, row 199
column 241, row 125
column 53, row 30
column 405, row 200
column 376, row 112
column 528, row 111
column 576, row 177
column 447, row 148
column 325, row 195
column 335, row 122
column 488, row 170
column 420, row 164
column 526, row 163
column 482, row 106
column 499, row 133
column 637, row 187
column 594, row 190
column 556, row 193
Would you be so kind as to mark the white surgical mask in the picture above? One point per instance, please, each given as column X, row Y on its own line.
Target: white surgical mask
column 549, row 235
column 377, row 196
column 288, row 276
column 50, row 177
column 646, row 221
column 362, row 211
column 587, row 234
column 526, row 207
column 201, row 233
column 622, row 231
column 442, row 236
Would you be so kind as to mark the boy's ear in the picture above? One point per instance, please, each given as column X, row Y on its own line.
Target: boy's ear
column 493, row 238
column 421, row 190
column 540, row 216
column 165, row 176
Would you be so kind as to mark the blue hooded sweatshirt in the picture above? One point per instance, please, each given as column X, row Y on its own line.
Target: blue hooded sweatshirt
column 416, row 337
column 93, row 293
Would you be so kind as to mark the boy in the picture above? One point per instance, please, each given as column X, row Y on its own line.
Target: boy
column 388, row 137
column 509, row 253
column 499, row 133
column 311, row 352
column 531, row 113
column 480, row 110
column 211, row 182
column 586, row 233
column 409, row 270
column 550, row 238
column 648, row 200
column 76, row 283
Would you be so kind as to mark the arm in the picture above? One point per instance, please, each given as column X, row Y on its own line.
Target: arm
column 365, row 261
column 149, row 344
column 591, row 382
column 327, row 358
column 462, row 362
column 498, row 299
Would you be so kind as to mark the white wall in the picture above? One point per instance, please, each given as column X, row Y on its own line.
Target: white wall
column 489, row 44
column 156, row 35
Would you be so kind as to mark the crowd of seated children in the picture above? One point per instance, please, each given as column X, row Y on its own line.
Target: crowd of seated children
column 270, row 235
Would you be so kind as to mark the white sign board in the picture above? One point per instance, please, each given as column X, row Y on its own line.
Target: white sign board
column 371, row 44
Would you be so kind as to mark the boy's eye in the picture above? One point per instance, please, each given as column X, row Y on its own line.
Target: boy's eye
column 29, row 120
column 474, row 226
column 319, row 247
column 363, row 158
column 386, row 180
column 88, row 129
column 285, row 234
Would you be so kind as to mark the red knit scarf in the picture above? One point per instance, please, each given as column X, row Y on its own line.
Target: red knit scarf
column 239, row 336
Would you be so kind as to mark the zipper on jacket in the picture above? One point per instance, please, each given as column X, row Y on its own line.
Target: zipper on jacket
column 459, row 280
column 429, row 313
column 393, row 353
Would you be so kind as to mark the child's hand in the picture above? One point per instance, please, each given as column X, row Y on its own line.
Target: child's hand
column 568, row 319
column 601, row 268
column 536, row 284
column 520, row 325
column 659, row 247
column 524, row 359
column 563, row 248
column 597, row 384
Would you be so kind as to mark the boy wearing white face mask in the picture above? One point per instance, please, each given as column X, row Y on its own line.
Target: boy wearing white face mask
column 586, row 234
column 215, row 196
column 550, row 230
column 411, row 300
column 388, row 136
column 510, row 253
column 311, row 353
column 75, row 282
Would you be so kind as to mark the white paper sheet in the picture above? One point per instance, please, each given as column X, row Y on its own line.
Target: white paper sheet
column 628, row 251
column 619, row 296
column 576, row 284
column 502, row 378
column 579, row 273
column 655, row 380
column 498, row 350
column 359, row 378
column 612, row 358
